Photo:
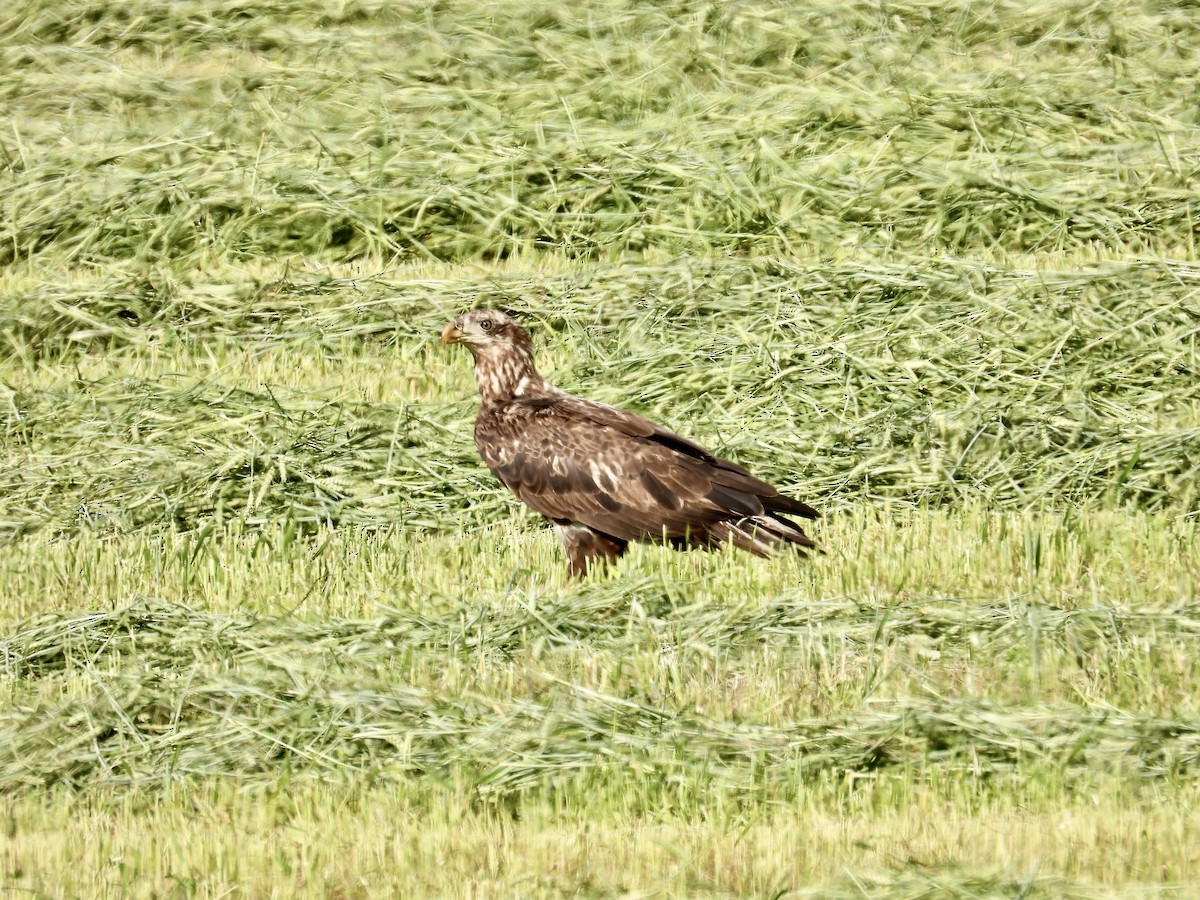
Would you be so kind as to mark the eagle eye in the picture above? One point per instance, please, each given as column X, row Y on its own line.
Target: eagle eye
column 486, row 324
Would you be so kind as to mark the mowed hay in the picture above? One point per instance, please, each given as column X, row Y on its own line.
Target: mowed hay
column 459, row 130
column 270, row 628
column 158, row 692
column 939, row 383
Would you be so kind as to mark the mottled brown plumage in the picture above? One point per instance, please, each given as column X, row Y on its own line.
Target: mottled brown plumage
column 605, row 476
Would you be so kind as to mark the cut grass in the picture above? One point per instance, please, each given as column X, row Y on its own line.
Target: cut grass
column 950, row 383
column 270, row 628
column 447, row 131
column 839, row 704
column 153, row 694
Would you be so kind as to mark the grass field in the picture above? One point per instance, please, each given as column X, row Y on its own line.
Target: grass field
column 271, row 630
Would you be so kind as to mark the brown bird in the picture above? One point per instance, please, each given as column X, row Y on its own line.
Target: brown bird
column 605, row 476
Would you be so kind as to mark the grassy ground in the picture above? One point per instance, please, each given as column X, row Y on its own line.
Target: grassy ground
column 270, row 629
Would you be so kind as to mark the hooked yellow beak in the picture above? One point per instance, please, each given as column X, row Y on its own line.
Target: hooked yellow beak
column 451, row 334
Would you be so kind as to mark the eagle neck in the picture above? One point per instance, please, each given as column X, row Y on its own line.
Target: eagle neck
column 504, row 377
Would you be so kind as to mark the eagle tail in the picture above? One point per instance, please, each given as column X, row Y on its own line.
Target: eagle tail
column 781, row 503
column 760, row 535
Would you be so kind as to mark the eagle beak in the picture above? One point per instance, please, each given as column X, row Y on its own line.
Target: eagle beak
column 451, row 334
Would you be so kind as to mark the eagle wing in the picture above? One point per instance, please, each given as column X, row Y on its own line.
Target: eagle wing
column 573, row 460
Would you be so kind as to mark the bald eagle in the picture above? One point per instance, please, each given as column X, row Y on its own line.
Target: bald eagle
column 605, row 476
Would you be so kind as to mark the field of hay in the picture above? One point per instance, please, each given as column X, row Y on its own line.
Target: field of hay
column 270, row 629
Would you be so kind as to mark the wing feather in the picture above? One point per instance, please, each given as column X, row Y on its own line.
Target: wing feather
column 740, row 502
column 720, row 470
column 577, row 461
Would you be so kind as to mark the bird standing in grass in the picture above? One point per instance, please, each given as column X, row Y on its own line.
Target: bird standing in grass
column 605, row 476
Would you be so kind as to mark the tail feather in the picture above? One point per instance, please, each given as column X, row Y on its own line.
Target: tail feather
column 760, row 535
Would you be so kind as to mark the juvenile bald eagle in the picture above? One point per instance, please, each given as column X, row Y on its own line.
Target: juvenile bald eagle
column 605, row 476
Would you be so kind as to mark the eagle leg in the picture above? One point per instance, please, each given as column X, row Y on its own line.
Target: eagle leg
column 586, row 547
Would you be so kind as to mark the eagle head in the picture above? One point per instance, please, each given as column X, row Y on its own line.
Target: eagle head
column 502, row 349
column 484, row 330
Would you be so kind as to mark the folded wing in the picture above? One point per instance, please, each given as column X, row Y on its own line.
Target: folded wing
column 575, row 461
